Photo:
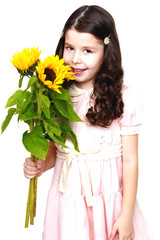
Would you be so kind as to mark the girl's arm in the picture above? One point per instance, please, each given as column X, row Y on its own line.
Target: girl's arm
column 124, row 224
column 130, row 174
column 31, row 169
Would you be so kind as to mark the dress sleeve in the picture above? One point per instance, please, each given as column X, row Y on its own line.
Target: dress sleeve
column 132, row 116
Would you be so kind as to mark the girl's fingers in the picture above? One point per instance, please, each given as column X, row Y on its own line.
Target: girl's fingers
column 30, row 168
column 29, row 162
column 40, row 163
column 114, row 231
column 30, row 174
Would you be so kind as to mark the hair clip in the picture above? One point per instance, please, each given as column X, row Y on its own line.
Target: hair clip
column 107, row 40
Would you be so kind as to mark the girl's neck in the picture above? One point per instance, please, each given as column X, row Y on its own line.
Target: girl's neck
column 84, row 86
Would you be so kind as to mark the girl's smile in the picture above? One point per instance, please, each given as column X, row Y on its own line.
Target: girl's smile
column 84, row 52
column 78, row 70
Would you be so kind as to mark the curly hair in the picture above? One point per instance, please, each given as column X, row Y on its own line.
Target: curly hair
column 107, row 94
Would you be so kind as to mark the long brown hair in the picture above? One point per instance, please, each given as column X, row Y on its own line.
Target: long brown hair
column 108, row 103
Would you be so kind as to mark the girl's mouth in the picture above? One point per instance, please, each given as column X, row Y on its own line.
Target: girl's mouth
column 78, row 71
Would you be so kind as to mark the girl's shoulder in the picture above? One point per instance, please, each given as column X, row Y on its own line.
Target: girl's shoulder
column 129, row 93
column 133, row 107
column 131, row 98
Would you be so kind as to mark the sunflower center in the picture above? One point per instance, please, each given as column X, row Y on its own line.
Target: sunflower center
column 50, row 74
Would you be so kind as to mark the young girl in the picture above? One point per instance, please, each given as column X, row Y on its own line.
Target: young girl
column 93, row 193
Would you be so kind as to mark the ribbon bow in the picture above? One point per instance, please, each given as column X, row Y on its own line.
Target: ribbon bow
column 70, row 154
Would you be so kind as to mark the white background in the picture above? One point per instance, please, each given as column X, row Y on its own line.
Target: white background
column 37, row 23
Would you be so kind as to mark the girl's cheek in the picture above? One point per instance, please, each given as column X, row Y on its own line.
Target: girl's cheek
column 65, row 57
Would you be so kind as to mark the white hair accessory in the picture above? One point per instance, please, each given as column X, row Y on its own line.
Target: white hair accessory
column 107, row 40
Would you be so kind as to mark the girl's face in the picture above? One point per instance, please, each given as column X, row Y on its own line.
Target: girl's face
column 84, row 52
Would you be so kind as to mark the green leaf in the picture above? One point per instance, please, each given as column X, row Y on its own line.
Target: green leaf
column 63, row 96
column 60, row 116
column 52, row 128
column 53, row 132
column 70, row 134
column 59, row 140
column 23, row 101
column 66, row 110
column 52, row 111
column 13, row 99
column 8, row 118
column 31, row 81
column 30, row 113
column 45, row 105
column 35, row 143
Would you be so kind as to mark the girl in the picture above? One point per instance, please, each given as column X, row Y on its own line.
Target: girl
column 93, row 193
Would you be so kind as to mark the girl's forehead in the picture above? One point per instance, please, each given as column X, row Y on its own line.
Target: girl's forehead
column 73, row 36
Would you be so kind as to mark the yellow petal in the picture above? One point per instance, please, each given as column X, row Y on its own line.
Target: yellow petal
column 26, row 58
column 60, row 70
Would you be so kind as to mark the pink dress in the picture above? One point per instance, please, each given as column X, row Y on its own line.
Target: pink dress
column 85, row 196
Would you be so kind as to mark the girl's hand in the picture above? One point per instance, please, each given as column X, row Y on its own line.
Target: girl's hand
column 31, row 169
column 123, row 227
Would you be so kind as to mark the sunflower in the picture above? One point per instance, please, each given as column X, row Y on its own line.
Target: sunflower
column 26, row 58
column 52, row 72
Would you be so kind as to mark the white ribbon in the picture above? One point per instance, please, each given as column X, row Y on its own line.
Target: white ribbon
column 70, row 154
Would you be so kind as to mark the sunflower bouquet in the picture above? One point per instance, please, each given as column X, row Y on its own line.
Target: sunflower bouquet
column 45, row 106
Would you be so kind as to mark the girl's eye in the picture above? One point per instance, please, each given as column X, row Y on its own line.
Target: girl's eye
column 69, row 48
column 87, row 51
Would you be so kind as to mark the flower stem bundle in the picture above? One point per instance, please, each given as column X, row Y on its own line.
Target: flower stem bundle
column 32, row 199
column 45, row 106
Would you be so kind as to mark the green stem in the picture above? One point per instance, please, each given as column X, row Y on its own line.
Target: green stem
column 32, row 195
column 35, row 202
column 35, row 159
column 28, row 207
column 35, row 191
column 39, row 110
column 32, row 202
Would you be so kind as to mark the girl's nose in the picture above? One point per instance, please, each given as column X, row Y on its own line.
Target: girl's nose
column 76, row 58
